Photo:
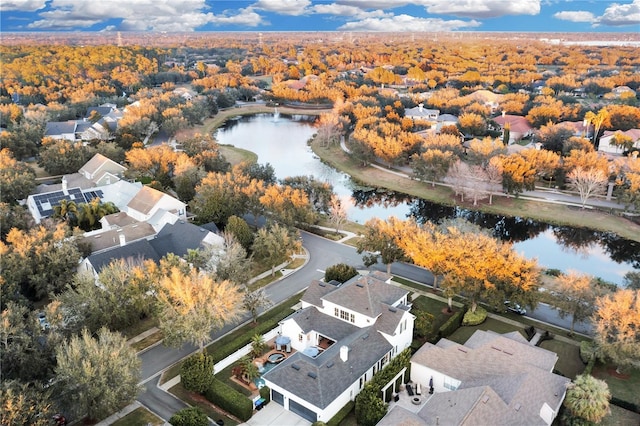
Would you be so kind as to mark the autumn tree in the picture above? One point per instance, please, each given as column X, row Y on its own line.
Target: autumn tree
column 587, row 399
column 275, row 245
column 587, row 182
column 599, row 121
column 17, row 179
column 60, row 156
column 576, row 296
column 38, row 262
column 119, row 298
column 518, row 174
column 617, row 327
column 192, row 305
column 337, row 213
column 319, row 192
column 553, row 136
column 288, row 205
column 379, row 240
column 481, row 151
column 472, row 124
column 432, row 164
column 253, row 301
column 101, row 373
column 24, row 404
column 545, row 162
column 221, row 195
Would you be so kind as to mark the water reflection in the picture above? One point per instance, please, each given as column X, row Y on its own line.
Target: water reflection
column 283, row 144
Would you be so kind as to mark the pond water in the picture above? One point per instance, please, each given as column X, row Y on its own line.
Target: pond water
column 282, row 142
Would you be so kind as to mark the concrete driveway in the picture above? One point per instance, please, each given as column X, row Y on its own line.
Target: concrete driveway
column 273, row 414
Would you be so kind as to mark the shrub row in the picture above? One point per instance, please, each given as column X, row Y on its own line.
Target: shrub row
column 587, row 351
column 452, row 324
column 342, row 414
column 265, row 393
column 625, row 404
column 229, row 400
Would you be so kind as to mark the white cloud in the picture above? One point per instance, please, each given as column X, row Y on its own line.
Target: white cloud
column 407, row 23
column 22, row 5
column 284, row 7
column 575, row 16
column 376, row 4
column 621, row 14
column 482, row 8
column 139, row 15
column 345, row 10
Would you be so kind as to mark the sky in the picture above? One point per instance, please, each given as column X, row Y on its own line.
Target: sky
column 321, row 15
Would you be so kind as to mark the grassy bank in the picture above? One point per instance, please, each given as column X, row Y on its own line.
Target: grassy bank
column 505, row 206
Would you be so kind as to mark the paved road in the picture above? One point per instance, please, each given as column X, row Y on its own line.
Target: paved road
column 322, row 253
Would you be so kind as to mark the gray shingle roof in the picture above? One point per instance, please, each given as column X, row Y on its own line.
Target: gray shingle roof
column 310, row 318
column 518, row 373
column 316, row 291
column 321, row 380
column 366, row 295
column 138, row 250
column 56, row 128
column 179, row 238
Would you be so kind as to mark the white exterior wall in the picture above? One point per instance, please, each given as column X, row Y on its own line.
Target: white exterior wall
column 166, row 203
column 292, row 330
column 421, row 374
column 31, row 205
column 361, row 321
column 401, row 341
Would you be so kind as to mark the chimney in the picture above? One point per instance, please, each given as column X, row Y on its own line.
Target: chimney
column 504, row 113
column 344, row 353
column 123, row 240
column 420, row 107
column 65, row 189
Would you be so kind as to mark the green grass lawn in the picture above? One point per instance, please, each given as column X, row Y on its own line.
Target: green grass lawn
column 462, row 334
column 621, row 417
column 211, row 411
column 627, row 389
column 569, row 363
column 139, row 416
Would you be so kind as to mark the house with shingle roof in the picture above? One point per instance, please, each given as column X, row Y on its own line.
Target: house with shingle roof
column 497, row 379
column 342, row 335
column 102, row 170
column 61, row 130
column 606, row 140
column 149, row 201
column 519, row 127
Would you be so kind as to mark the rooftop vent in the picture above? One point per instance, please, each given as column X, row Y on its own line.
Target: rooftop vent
column 312, row 375
column 517, row 407
column 321, row 284
column 295, row 367
column 359, row 285
column 462, row 350
column 485, row 399
column 330, row 364
column 392, row 309
column 365, row 336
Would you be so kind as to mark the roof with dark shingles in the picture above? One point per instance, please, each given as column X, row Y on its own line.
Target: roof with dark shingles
column 138, row 250
column 316, row 291
column 55, row 128
column 332, row 375
column 179, row 238
column 310, row 318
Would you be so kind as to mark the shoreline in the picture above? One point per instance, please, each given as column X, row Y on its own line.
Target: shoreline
column 555, row 214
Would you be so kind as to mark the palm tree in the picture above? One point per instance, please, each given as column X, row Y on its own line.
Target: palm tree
column 67, row 210
column 93, row 211
column 257, row 345
column 588, row 398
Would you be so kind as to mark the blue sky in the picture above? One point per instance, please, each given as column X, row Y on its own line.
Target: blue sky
column 324, row 15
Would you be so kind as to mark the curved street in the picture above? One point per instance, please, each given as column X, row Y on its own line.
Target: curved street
column 322, row 253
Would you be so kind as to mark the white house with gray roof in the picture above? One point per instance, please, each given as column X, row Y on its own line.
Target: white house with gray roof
column 342, row 336
column 496, row 379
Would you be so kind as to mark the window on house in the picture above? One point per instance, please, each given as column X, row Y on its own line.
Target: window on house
column 336, row 312
column 344, row 315
column 450, row 384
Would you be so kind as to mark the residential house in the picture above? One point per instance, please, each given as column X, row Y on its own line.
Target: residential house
column 102, row 170
column 421, row 113
column 519, row 127
column 607, row 146
column 580, row 128
column 622, row 91
column 177, row 238
column 149, row 202
column 446, row 120
column 497, row 379
column 61, row 130
column 342, row 336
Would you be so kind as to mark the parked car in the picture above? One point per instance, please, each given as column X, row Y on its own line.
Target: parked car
column 42, row 320
column 515, row 308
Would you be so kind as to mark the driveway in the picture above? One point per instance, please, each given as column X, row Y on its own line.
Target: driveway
column 274, row 414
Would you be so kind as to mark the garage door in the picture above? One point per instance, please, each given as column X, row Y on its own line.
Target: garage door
column 302, row 411
column 277, row 397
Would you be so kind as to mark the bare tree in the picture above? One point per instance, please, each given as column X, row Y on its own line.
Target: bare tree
column 253, row 301
column 337, row 212
column 587, row 182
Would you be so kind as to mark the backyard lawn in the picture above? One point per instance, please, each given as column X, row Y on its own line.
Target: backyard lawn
column 569, row 363
column 621, row 417
column 626, row 388
column 462, row 334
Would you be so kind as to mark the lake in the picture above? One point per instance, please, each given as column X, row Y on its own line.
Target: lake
column 282, row 142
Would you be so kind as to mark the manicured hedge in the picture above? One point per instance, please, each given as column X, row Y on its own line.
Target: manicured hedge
column 625, row 404
column 342, row 414
column 452, row 324
column 265, row 393
column 475, row 318
column 230, row 400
